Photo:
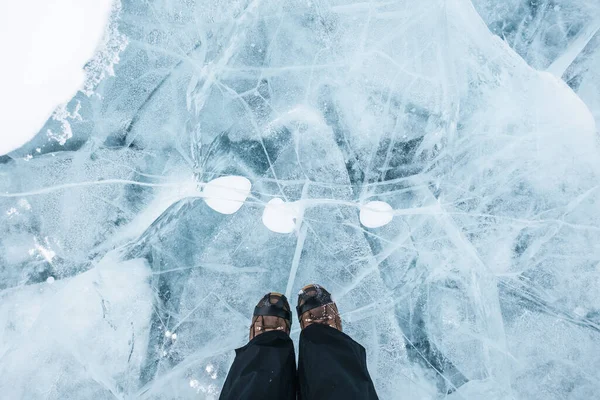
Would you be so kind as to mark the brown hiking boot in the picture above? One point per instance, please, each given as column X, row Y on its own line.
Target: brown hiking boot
column 316, row 307
column 272, row 313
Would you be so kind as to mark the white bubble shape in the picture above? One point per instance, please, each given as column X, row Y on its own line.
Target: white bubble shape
column 376, row 214
column 280, row 217
column 227, row 194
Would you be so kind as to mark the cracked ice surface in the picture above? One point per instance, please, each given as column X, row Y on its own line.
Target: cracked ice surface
column 118, row 279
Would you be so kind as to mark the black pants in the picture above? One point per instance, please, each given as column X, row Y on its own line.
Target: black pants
column 330, row 366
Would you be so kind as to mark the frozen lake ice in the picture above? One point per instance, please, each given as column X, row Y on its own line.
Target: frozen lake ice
column 434, row 164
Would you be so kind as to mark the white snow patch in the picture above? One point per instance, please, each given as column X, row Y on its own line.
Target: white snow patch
column 46, row 45
column 62, row 115
column 376, row 214
column 227, row 194
column 281, row 217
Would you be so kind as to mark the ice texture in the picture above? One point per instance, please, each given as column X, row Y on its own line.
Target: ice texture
column 475, row 122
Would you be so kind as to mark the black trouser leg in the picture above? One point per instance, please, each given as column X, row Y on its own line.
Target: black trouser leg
column 265, row 368
column 332, row 366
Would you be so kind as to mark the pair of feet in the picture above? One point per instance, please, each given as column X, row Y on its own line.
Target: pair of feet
column 273, row 313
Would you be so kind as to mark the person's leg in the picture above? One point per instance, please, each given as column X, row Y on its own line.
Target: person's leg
column 331, row 365
column 265, row 368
